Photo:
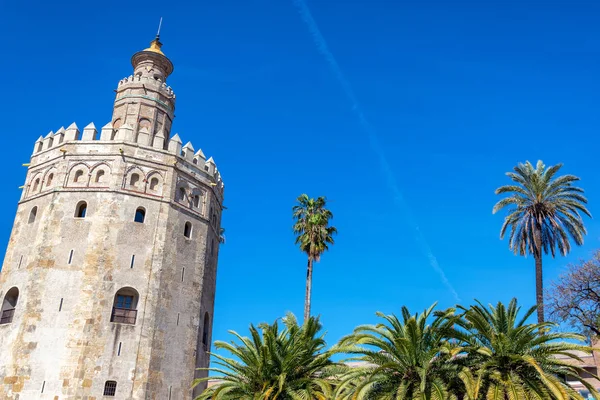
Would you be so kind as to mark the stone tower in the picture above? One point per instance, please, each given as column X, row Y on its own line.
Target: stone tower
column 108, row 282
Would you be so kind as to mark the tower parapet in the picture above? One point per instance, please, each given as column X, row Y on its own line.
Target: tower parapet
column 109, row 277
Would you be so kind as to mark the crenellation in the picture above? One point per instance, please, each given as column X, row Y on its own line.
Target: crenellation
column 59, row 136
column 175, row 145
column 144, row 136
column 125, row 133
column 72, row 133
column 188, row 152
column 89, row 132
column 107, row 132
column 48, row 141
column 39, row 145
column 159, row 140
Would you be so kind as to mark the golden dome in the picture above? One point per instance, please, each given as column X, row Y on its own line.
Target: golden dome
column 155, row 46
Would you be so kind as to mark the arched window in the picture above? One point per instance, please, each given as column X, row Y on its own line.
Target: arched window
column 8, row 306
column 100, row 176
column 153, row 183
column 78, row 176
column 187, row 230
column 49, row 179
column 125, row 306
column 40, row 146
column 183, row 153
column 195, row 161
column 36, row 185
column 110, row 388
column 133, row 181
column 181, row 196
column 32, row 215
column 81, row 209
column 196, row 201
column 140, row 215
column 205, row 331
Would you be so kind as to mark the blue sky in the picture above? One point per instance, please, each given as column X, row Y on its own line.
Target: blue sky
column 456, row 93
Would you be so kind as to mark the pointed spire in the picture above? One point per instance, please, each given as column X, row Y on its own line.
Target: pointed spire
column 50, row 134
column 37, row 147
column 61, row 130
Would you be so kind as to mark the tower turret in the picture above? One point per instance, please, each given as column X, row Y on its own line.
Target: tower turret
column 143, row 100
column 108, row 282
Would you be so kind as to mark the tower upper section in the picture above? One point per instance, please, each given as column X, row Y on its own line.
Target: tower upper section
column 144, row 101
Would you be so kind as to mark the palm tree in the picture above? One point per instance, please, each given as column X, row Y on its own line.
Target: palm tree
column 313, row 235
column 510, row 359
column 404, row 358
column 274, row 364
column 544, row 214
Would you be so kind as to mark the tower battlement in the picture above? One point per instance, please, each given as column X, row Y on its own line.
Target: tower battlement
column 71, row 142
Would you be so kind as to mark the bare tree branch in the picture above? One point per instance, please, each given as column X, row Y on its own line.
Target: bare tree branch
column 574, row 298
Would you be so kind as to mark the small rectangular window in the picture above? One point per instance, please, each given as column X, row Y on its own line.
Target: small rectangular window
column 132, row 261
column 60, row 306
column 70, row 257
column 110, row 388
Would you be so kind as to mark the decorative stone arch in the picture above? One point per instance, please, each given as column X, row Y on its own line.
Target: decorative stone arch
column 100, row 175
column 49, row 180
column 79, row 175
column 35, row 184
column 135, row 179
column 154, row 183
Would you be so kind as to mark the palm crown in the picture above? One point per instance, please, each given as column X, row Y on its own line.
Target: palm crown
column 406, row 358
column 545, row 213
column 274, row 364
column 510, row 359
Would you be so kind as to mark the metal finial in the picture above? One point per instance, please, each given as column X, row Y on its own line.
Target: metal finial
column 159, row 25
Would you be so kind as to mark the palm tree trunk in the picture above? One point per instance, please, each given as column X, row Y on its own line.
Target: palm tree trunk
column 539, row 281
column 307, row 298
column 539, row 287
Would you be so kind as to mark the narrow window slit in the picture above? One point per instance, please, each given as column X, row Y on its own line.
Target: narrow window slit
column 43, row 386
column 20, row 262
column 119, row 351
column 71, row 257
column 61, row 304
column 132, row 261
column 182, row 273
column 177, row 319
column 170, row 392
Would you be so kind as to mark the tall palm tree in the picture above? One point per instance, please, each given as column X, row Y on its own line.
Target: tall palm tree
column 274, row 364
column 404, row 358
column 313, row 235
column 544, row 215
column 510, row 359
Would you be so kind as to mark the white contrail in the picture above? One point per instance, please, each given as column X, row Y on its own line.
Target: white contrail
column 392, row 183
